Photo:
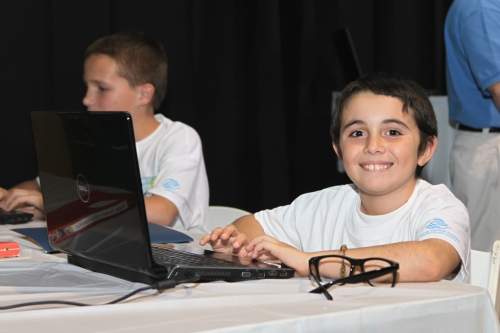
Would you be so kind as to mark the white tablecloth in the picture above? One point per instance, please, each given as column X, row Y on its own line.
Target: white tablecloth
column 252, row 306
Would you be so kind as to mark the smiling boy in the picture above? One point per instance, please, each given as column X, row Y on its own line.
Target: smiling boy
column 384, row 130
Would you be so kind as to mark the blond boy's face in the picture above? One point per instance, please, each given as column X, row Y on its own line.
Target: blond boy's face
column 379, row 145
column 106, row 89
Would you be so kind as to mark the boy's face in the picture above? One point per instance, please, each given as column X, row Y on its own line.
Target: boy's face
column 106, row 89
column 379, row 145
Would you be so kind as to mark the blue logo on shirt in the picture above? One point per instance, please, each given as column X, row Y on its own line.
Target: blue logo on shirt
column 439, row 227
column 170, row 184
column 147, row 183
column 437, row 224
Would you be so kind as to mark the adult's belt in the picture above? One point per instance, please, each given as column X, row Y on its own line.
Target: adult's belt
column 472, row 129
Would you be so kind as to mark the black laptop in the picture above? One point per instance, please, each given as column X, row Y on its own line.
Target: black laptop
column 14, row 217
column 92, row 192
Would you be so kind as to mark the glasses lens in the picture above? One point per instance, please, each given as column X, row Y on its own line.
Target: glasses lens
column 380, row 269
column 344, row 264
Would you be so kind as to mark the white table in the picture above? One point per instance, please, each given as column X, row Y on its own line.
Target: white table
column 252, row 306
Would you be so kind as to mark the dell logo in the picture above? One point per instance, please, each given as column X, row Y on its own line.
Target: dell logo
column 82, row 188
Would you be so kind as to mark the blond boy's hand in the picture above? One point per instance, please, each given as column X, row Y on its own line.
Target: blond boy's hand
column 3, row 193
column 25, row 200
column 16, row 198
column 227, row 240
column 4, row 197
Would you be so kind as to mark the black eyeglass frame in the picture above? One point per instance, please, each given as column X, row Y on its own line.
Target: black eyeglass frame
column 352, row 278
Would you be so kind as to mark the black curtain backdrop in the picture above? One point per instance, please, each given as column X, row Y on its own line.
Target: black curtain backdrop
column 254, row 78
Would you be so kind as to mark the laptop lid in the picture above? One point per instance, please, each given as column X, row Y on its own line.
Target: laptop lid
column 90, row 181
column 92, row 192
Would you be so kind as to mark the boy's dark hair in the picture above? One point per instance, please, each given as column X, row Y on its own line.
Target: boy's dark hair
column 413, row 97
column 140, row 60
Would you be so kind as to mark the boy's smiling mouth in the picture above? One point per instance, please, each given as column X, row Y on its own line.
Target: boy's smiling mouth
column 376, row 166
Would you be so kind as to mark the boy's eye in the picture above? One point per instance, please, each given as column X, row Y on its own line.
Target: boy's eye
column 356, row 133
column 393, row 132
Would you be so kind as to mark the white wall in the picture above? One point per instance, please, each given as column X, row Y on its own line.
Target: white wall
column 437, row 171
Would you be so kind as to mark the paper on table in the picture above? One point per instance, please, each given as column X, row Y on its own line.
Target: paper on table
column 39, row 235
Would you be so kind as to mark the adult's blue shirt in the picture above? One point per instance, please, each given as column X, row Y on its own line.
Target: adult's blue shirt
column 472, row 37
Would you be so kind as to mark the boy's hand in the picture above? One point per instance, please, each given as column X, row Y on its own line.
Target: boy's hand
column 3, row 193
column 227, row 240
column 266, row 248
column 16, row 198
column 26, row 200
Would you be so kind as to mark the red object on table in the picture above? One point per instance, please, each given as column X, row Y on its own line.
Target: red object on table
column 9, row 249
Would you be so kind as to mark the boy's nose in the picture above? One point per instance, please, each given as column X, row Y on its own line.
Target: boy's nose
column 86, row 100
column 375, row 144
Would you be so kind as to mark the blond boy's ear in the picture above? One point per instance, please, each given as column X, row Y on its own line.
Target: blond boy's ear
column 337, row 151
column 146, row 93
column 429, row 151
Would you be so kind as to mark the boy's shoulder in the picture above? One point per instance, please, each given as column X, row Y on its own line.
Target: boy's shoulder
column 172, row 136
column 424, row 188
column 427, row 194
column 170, row 126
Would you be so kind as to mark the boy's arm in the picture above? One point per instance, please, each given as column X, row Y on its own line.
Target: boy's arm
column 249, row 226
column 160, row 210
column 495, row 94
column 180, row 178
column 419, row 261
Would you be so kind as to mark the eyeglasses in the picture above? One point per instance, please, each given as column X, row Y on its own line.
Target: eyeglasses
column 360, row 270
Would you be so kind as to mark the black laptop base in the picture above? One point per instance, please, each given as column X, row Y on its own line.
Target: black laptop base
column 120, row 272
column 186, row 273
column 208, row 274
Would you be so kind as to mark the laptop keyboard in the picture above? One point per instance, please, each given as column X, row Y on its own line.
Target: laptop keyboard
column 14, row 217
column 176, row 257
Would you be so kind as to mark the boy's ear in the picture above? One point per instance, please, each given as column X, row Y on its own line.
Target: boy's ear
column 337, row 150
column 427, row 154
column 146, row 93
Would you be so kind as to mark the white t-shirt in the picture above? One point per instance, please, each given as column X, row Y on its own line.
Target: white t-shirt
column 326, row 219
column 172, row 166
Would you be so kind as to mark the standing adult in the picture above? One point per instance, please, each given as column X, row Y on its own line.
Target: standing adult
column 472, row 39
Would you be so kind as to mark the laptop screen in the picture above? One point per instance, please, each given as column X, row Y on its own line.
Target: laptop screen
column 90, row 182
